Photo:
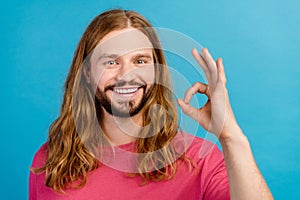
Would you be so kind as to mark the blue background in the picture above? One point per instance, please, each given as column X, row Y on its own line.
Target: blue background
column 259, row 41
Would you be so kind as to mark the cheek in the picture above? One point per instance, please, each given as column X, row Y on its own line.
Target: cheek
column 99, row 78
column 146, row 73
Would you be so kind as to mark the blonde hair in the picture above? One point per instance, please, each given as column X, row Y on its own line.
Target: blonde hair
column 68, row 158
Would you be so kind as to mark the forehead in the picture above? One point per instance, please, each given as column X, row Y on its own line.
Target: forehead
column 121, row 42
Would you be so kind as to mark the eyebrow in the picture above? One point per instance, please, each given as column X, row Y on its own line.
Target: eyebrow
column 114, row 56
column 105, row 55
column 142, row 55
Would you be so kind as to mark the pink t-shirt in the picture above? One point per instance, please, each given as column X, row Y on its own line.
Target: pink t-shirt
column 209, row 182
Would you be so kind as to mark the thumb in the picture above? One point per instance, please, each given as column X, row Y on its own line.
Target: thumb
column 189, row 110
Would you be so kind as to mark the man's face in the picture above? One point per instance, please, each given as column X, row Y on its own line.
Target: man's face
column 122, row 72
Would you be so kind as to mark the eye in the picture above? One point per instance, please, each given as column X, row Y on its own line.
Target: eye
column 140, row 61
column 110, row 62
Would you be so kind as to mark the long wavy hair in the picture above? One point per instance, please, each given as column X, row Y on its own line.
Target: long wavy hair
column 73, row 135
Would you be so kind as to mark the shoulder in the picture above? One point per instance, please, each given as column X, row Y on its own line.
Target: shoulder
column 40, row 156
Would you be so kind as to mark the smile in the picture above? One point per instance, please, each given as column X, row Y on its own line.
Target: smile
column 125, row 90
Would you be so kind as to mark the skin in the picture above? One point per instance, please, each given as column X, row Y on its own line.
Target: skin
column 245, row 179
column 131, row 61
column 216, row 116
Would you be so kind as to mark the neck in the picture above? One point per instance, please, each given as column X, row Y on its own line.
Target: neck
column 121, row 130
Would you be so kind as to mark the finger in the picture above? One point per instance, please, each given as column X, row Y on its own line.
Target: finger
column 211, row 65
column 189, row 110
column 197, row 87
column 200, row 61
column 220, row 67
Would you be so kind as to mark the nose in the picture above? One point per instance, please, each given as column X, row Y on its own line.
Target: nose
column 126, row 72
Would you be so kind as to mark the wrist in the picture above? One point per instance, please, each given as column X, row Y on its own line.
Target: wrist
column 233, row 135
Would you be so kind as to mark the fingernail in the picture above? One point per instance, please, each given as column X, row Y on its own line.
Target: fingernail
column 203, row 51
column 196, row 50
column 219, row 60
column 180, row 102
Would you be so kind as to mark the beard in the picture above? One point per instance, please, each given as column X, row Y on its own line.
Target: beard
column 123, row 109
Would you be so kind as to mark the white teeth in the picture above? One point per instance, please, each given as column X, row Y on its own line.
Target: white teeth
column 125, row 90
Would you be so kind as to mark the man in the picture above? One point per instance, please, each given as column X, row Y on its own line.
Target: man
column 118, row 137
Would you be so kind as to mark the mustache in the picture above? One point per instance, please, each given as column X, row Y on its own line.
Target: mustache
column 122, row 83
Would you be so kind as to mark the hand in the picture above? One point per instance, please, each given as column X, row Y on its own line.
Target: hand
column 216, row 115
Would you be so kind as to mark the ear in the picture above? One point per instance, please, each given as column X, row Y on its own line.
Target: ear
column 86, row 74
